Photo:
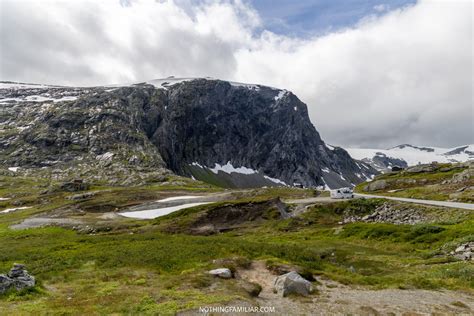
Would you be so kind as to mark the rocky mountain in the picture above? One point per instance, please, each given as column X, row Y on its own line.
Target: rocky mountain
column 226, row 133
column 408, row 155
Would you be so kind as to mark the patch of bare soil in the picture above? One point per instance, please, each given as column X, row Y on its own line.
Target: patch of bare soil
column 232, row 216
column 337, row 299
column 69, row 218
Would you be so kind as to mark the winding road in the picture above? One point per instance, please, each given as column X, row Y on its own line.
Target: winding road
column 466, row 206
column 303, row 203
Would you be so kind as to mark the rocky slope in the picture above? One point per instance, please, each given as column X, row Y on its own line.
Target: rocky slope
column 221, row 132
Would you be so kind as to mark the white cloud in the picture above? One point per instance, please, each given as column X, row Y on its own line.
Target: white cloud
column 380, row 7
column 402, row 77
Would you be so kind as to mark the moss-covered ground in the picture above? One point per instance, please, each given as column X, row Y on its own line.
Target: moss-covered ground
column 432, row 185
column 141, row 269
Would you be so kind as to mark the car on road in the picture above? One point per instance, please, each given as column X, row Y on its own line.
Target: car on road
column 342, row 193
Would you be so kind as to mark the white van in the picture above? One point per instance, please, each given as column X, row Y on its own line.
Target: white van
column 342, row 193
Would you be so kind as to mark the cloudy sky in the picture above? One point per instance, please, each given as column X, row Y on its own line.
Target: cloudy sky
column 373, row 73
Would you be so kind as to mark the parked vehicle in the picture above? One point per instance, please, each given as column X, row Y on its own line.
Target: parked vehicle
column 342, row 193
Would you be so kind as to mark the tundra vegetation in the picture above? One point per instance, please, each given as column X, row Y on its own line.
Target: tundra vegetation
column 443, row 182
column 159, row 266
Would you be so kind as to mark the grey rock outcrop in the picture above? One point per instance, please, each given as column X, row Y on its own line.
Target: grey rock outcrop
column 464, row 251
column 292, row 283
column 463, row 176
column 375, row 185
column 389, row 213
column 18, row 278
column 422, row 168
column 384, row 163
column 134, row 134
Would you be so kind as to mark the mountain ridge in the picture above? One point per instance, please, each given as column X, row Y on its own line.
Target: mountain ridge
column 147, row 130
column 405, row 155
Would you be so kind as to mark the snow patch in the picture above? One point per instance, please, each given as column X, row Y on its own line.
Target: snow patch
column 182, row 197
column 170, row 81
column 329, row 147
column 38, row 98
column 8, row 210
column 326, row 187
column 18, row 85
column 280, row 95
column 414, row 156
column 14, row 169
column 275, row 180
column 250, row 86
column 326, row 170
column 196, row 164
column 65, row 98
column 229, row 168
column 154, row 213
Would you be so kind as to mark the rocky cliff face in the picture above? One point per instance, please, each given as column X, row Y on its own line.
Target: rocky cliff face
column 222, row 132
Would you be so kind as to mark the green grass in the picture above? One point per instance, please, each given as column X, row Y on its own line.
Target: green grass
column 425, row 185
column 142, row 270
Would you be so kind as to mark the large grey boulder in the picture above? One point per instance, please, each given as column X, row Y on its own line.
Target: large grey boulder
column 376, row 185
column 463, row 176
column 292, row 283
column 223, row 273
column 18, row 278
column 422, row 168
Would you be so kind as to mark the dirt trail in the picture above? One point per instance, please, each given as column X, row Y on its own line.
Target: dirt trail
column 337, row 299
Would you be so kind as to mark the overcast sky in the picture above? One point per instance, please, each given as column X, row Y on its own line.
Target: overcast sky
column 373, row 74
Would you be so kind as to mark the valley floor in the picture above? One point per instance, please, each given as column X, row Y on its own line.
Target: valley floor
column 92, row 261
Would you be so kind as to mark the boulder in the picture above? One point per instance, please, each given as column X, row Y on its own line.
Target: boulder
column 376, row 185
column 18, row 278
column 422, row 168
column 5, row 283
column 223, row 273
column 17, row 270
column 463, row 176
column 81, row 196
column 464, row 251
column 74, row 186
column 468, row 255
column 292, row 283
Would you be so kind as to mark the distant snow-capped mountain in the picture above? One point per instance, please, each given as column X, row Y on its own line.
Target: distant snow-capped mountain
column 409, row 155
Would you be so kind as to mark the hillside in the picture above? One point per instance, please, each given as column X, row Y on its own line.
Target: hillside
column 444, row 182
column 228, row 134
column 94, row 261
